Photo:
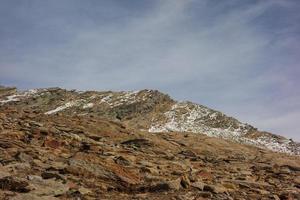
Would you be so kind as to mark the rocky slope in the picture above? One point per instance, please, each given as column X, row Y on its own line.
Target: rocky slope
column 59, row 144
column 146, row 110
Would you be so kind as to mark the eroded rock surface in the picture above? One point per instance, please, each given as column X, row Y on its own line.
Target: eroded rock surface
column 92, row 155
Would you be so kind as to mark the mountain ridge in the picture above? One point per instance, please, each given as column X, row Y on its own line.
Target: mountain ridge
column 66, row 144
column 152, row 111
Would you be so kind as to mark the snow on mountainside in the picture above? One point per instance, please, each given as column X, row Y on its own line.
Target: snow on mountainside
column 189, row 117
column 146, row 110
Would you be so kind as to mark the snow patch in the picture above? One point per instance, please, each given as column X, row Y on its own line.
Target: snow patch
column 89, row 105
column 60, row 108
column 188, row 117
column 16, row 97
column 123, row 98
column 10, row 98
column 270, row 143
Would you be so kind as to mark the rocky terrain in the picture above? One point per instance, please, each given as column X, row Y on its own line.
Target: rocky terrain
column 59, row 144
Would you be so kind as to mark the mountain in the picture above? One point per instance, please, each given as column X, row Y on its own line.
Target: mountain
column 147, row 110
column 68, row 144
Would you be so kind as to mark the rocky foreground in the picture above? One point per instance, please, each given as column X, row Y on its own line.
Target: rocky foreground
column 58, row 144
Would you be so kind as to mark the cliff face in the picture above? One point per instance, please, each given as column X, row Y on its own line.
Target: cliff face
column 59, row 144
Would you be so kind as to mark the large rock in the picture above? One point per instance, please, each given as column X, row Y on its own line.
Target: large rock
column 14, row 184
column 47, row 187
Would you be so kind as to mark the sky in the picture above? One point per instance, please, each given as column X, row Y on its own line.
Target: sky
column 239, row 57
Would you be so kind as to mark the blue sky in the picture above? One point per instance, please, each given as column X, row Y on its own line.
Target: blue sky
column 240, row 57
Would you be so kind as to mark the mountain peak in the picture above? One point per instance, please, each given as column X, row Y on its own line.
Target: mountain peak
column 66, row 144
column 148, row 110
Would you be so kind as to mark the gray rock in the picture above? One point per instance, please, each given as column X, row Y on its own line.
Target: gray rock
column 199, row 185
column 48, row 187
column 214, row 189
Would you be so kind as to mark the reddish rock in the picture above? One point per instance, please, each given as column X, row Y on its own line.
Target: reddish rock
column 106, row 152
column 52, row 143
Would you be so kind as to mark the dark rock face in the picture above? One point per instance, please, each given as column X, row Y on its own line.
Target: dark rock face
column 81, row 150
column 12, row 184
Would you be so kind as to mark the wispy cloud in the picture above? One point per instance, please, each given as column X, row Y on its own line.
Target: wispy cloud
column 242, row 58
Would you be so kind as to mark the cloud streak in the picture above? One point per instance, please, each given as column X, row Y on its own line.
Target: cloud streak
column 241, row 58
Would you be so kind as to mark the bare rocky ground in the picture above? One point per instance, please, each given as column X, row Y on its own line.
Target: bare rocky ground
column 70, row 156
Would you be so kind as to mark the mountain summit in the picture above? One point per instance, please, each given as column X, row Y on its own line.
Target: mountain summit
column 68, row 144
column 146, row 110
